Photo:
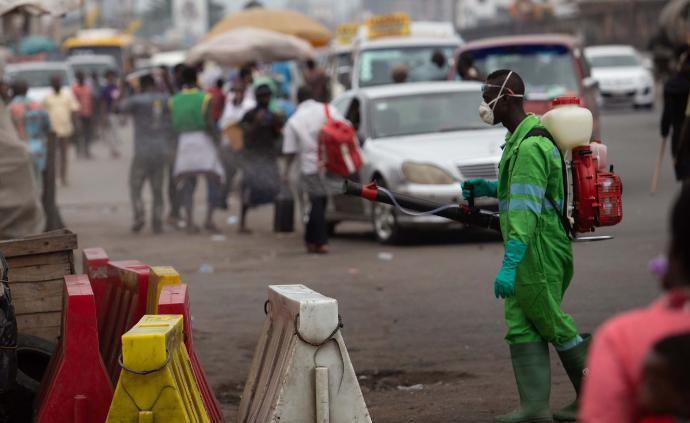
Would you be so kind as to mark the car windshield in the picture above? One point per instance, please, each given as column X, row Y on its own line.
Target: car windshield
column 376, row 66
column 89, row 68
column 549, row 71
column 614, row 61
column 426, row 113
column 39, row 77
column 114, row 52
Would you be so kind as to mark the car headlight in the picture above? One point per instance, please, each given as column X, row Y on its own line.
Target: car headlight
column 422, row 173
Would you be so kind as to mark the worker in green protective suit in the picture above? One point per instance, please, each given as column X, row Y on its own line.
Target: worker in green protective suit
column 538, row 263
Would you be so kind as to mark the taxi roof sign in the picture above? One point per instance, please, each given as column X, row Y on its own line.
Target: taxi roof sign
column 391, row 25
column 346, row 33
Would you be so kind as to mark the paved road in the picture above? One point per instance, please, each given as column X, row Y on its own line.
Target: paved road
column 426, row 316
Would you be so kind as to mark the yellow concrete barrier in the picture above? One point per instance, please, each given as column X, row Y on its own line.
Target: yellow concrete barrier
column 158, row 278
column 156, row 383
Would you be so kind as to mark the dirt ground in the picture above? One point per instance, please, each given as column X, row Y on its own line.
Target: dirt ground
column 421, row 313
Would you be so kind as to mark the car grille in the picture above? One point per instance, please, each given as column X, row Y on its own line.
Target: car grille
column 482, row 170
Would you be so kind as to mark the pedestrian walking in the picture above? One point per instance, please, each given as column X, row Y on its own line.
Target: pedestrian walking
column 612, row 388
column 22, row 213
column 166, row 83
column 62, row 110
column 538, row 262
column 218, row 99
column 94, row 82
column 174, row 85
column 196, row 151
column 301, row 141
column 317, row 80
column 31, row 121
column 676, row 93
column 110, row 94
column 152, row 142
column 262, row 132
column 236, row 106
column 84, row 94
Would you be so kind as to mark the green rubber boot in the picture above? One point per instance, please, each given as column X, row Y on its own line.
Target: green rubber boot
column 532, row 370
column 573, row 361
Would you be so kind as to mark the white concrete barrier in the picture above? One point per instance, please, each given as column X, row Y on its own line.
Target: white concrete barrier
column 301, row 371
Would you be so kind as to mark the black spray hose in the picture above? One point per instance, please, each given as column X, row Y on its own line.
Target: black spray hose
column 471, row 216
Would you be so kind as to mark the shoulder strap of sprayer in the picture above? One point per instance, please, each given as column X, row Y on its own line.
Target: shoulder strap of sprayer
column 563, row 211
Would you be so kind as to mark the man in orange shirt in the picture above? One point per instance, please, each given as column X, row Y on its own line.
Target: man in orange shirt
column 84, row 95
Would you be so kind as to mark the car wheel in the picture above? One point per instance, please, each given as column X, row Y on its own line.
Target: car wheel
column 385, row 222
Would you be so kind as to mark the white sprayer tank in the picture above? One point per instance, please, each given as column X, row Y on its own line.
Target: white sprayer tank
column 570, row 124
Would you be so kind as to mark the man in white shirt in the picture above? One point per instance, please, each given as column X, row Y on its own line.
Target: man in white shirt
column 237, row 104
column 301, row 140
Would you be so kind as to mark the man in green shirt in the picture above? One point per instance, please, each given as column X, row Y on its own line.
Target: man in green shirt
column 196, row 150
column 538, row 262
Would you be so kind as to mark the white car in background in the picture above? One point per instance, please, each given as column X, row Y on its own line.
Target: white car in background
column 622, row 76
column 38, row 75
column 420, row 139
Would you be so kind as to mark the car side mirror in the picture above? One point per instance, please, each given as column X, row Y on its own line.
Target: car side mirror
column 591, row 83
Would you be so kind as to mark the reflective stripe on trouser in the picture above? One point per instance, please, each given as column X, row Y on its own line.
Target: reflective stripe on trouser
column 534, row 313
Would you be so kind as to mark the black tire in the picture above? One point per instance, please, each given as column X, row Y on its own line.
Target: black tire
column 385, row 221
column 33, row 357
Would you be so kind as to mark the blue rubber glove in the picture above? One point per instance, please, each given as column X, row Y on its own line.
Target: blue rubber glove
column 482, row 188
column 504, row 285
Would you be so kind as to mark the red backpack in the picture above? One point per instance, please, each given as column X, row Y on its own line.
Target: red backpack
column 338, row 147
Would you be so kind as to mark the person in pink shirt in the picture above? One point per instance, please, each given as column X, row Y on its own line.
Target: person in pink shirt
column 614, row 375
column 84, row 95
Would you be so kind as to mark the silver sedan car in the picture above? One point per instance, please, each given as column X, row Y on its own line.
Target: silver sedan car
column 421, row 139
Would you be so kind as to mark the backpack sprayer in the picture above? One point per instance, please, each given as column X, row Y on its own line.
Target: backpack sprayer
column 596, row 193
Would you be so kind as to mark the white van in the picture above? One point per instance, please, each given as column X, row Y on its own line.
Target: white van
column 374, row 60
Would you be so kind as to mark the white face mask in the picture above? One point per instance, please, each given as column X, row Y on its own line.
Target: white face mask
column 486, row 110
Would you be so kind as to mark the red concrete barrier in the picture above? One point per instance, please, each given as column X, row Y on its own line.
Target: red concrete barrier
column 174, row 299
column 124, row 304
column 95, row 265
column 76, row 387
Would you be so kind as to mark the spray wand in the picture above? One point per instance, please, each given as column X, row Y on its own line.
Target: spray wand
column 468, row 215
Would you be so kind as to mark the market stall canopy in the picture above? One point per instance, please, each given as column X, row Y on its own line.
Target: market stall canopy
column 53, row 7
column 243, row 45
column 284, row 21
column 35, row 44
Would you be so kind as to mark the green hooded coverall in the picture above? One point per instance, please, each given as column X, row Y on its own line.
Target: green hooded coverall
column 529, row 171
